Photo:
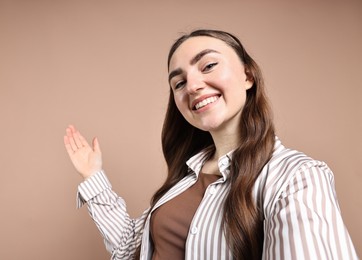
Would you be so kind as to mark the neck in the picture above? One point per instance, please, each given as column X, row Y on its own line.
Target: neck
column 225, row 142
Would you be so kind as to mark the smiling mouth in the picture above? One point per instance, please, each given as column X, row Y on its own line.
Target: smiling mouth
column 205, row 102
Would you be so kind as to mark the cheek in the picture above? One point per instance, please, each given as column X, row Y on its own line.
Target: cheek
column 180, row 102
column 235, row 93
column 229, row 78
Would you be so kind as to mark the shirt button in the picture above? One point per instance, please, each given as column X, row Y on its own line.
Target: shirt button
column 194, row 230
column 212, row 190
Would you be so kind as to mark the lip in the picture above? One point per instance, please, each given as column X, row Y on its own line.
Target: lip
column 201, row 98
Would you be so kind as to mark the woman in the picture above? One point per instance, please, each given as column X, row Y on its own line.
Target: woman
column 233, row 191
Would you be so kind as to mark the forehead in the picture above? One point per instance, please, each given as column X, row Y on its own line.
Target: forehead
column 192, row 46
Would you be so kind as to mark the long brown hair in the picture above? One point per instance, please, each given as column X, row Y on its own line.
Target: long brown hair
column 242, row 217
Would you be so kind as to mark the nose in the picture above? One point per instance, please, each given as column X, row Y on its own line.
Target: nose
column 194, row 84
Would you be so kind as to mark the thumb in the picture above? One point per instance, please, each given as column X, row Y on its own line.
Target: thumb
column 96, row 146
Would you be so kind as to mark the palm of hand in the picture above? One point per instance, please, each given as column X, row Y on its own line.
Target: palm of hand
column 86, row 159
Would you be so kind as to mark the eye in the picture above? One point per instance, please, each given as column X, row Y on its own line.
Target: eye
column 209, row 66
column 180, row 84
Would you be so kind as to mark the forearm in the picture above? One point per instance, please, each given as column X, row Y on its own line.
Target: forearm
column 120, row 232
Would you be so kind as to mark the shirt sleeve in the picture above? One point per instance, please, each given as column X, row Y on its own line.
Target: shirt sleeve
column 306, row 222
column 122, row 234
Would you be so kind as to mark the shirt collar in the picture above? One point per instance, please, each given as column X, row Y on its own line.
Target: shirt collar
column 196, row 162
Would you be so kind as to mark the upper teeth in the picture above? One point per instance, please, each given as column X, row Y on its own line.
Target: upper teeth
column 205, row 102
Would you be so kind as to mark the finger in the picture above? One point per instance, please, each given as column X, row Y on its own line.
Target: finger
column 82, row 140
column 96, row 146
column 71, row 140
column 72, row 128
column 77, row 140
column 67, row 145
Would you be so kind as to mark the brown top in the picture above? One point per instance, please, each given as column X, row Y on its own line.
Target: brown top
column 170, row 223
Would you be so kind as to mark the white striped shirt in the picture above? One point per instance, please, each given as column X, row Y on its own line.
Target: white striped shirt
column 302, row 219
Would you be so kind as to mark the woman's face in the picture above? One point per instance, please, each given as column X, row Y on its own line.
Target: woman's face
column 209, row 84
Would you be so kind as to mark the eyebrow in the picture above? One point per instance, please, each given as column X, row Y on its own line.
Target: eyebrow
column 193, row 61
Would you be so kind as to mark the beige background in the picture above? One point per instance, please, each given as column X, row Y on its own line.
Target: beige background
column 101, row 65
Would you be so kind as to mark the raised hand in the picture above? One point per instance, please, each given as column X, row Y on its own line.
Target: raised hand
column 86, row 159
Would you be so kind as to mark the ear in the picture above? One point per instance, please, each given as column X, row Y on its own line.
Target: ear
column 249, row 81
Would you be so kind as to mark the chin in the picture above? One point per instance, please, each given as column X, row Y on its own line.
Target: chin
column 210, row 127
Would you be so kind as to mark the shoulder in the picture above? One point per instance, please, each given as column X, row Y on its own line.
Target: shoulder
column 285, row 167
column 285, row 163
